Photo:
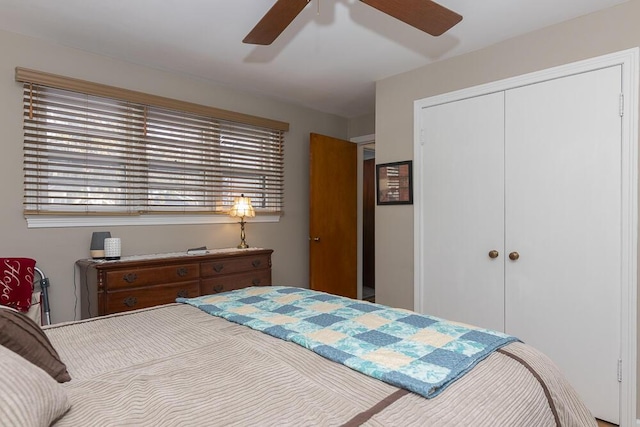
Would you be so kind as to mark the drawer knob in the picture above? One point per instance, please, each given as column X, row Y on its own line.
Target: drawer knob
column 256, row 282
column 182, row 271
column 130, row 301
column 130, row 277
column 256, row 263
column 183, row 293
column 218, row 288
column 218, row 267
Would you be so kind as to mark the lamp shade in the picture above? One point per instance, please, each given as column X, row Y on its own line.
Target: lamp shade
column 242, row 207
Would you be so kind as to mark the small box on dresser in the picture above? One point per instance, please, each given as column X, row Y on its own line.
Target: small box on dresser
column 108, row 287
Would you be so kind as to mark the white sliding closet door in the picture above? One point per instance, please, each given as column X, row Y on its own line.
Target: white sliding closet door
column 563, row 217
column 463, row 189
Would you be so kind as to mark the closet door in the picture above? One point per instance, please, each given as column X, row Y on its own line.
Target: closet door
column 563, row 218
column 462, row 186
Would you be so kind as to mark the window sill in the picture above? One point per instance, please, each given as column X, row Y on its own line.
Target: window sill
column 47, row 221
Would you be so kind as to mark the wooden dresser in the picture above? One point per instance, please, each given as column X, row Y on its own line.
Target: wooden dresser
column 135, row 282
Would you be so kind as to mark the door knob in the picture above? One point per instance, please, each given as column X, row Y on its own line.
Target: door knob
column 513, row 256
column 493, row 254
column 316, row 239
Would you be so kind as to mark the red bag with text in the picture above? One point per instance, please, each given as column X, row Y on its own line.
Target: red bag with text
column 16, row 285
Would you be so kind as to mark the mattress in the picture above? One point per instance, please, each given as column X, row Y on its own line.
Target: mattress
column 175, row 365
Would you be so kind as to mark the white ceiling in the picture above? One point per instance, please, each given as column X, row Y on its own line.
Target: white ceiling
column 328, row 59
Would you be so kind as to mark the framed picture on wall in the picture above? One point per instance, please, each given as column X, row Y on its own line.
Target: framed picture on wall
column 395, row 183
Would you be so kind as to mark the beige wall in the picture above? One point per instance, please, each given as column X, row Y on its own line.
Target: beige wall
column 362, row 125
column 608, row 31
column 56, row 250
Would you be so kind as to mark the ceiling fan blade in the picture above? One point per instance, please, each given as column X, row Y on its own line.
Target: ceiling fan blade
column 424, row 15
column 275, row 21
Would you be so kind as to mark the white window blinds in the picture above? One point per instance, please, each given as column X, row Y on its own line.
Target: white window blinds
column 96, row 155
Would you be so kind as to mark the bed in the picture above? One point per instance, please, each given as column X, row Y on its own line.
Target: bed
column 177, row 365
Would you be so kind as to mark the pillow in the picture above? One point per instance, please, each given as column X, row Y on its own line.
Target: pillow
column 29, row 396
column 16, row 282
column 23, row 336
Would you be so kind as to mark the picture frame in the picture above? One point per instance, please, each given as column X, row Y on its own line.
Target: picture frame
column 394, row 183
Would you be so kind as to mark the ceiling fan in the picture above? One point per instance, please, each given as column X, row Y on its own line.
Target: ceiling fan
column 425, row 15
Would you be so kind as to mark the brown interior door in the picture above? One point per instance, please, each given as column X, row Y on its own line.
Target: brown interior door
column 333, row 215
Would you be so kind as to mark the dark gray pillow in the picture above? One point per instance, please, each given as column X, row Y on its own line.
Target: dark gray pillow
column 23, row 336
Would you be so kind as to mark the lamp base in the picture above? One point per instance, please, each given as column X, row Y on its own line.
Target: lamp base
column 243, row 244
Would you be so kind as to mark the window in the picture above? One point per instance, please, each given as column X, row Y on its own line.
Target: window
column 90, row 154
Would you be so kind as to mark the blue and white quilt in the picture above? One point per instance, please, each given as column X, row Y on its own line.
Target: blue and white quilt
column 417, row 352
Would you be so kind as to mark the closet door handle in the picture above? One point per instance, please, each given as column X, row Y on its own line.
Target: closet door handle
column 513, row 256
column 493, row 254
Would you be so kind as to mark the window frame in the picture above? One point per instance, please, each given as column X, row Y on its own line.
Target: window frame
column 75, row 219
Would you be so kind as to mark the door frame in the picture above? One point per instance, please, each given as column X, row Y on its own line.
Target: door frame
column 361, row 142
column 629, row 61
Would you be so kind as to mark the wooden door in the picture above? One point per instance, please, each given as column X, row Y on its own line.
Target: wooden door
column 333, row 215
column 463, row 210
column 563, row 217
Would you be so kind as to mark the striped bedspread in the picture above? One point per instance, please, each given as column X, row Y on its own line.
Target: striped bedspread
column 420, row 353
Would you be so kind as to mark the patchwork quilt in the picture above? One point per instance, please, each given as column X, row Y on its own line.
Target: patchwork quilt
column 420, row 353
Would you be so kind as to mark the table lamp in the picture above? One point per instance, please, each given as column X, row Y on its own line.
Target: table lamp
column 242, row 208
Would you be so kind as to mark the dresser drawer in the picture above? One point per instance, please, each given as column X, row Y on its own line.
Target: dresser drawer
column 225, row 266
column 134, row 283
column 230, row 282
column 136, row 277
column 133, row 299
